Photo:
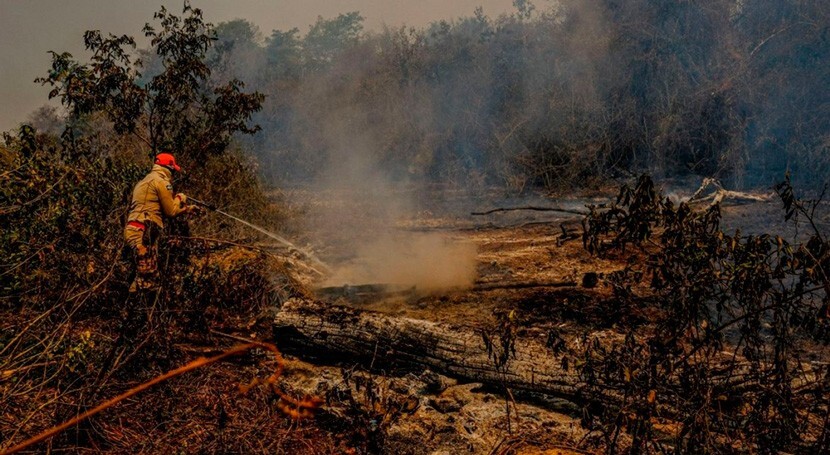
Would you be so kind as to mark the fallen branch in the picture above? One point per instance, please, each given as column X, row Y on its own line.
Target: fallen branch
column 533, row 208
column 720, row 194
column 305, row 405
column 374, row 291
column 522, row 285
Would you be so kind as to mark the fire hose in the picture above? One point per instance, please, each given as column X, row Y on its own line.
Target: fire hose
column 308, row 255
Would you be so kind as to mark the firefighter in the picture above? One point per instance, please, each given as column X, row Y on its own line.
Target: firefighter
column 153, row 200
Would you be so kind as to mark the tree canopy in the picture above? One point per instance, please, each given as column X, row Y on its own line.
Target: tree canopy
column 178, row 109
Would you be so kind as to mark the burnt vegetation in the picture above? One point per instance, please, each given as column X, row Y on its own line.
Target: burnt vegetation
column 719, row 330
column 724, row 356
column 71, row 336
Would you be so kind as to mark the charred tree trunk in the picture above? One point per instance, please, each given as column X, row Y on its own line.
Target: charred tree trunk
column 461, row 352
column 525, row 365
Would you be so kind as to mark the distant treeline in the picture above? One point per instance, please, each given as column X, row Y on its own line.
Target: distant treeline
column 573, row 92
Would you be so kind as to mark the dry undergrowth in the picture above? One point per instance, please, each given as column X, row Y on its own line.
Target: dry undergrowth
column 216, row 408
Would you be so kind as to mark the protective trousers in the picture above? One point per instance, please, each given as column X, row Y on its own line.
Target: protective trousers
column 142, row 238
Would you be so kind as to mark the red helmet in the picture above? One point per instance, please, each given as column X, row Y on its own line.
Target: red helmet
column 167, row 160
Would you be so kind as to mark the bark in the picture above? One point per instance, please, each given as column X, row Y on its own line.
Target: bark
column 466, row 353
column 460, row 352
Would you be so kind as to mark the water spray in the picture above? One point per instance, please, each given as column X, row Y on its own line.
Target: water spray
column 310, row 256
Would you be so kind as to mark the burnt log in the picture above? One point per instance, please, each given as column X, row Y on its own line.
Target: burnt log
column 526, row 365
column 462, row 352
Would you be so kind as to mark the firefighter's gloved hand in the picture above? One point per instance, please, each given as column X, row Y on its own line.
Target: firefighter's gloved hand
column 182, row 198
column 195, row 210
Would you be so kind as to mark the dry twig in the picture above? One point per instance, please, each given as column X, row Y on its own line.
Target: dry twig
column 292, row 407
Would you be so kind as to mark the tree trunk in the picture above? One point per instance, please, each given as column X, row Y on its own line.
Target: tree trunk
column 468, row 353
column 461, row 352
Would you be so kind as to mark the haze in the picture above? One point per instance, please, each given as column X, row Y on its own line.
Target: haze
column 31, row 28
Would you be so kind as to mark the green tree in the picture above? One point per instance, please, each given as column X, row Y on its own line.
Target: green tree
column 329, row 37
column 179, row 109
column 283, row 52
column 237, row 53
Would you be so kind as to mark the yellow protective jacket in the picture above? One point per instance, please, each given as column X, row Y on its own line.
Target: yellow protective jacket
column 153, row 197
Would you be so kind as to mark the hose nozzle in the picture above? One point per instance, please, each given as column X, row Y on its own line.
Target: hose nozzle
column 204, row 204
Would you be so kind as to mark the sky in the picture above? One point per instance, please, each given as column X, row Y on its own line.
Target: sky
column 31, row 28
